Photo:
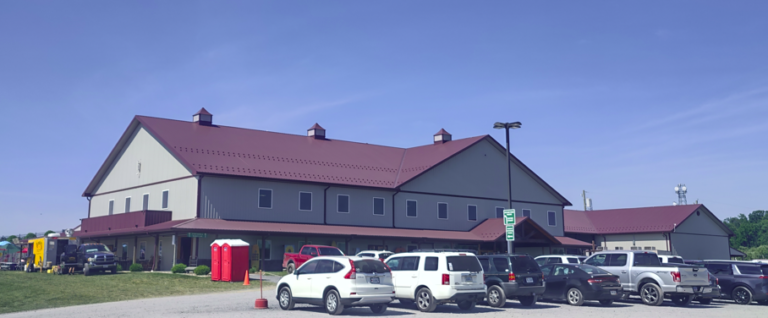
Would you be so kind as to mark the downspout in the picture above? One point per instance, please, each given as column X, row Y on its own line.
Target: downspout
column 89, row 206
column 325, row 204
column 393, row 207
column 199, row 189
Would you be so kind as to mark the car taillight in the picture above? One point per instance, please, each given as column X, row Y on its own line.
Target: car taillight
column 763, row 277
column 542, row 277
column 351, row 274
column 717, row 281
column 676, row 277
column 446, row 279
column 511, row 276
column 387, row 266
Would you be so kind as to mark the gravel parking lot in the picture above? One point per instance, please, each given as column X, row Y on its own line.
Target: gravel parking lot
column 240, row 304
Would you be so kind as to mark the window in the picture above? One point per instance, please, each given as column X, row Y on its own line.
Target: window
column 719, row 269
column 342, row 203
column 410, row 208
column 499, row 212
column 618, row 260
column 561, row 270
column 127, row 204
column 324, row 266
column 484, row 263
column 463, row 264
column 125, row 251
column 309, row 251
column 330, row 251
column 308, row 268
column 265, row 198
column 430, row 263
column 619, row 248
column 142, row 250
column 546, row 270
column 554, row 260
column 368, row 266
column 646, row 260
column 442, row 210
column 111, row 206
column 472, row 212
column 305, row 201
column 501, row 264
column 404, row 263
column 145, row 202
column 165, row 199
column 749, row 270
column 526, row 213
column 635, row 248
column 650, row 248
column 378, row 206
column 366, row 255
column 573, row 260
column 551, row 220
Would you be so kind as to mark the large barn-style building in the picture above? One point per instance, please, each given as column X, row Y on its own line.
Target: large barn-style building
column 170, row 187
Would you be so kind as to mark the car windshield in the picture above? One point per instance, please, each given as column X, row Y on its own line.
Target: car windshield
column 330, row 251
column 369, row 266
column 589, row 269
column 675, row 260
column 96, row 248
column 524, row 264
column 749, row 269
column 463, row 264
column 385, row 255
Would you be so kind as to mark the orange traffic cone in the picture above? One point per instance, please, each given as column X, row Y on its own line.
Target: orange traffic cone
column 247, row 281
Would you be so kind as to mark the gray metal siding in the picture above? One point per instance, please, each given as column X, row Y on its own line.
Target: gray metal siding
column 237, row 199
column 360, row 207
column 157, row 164
column 480, row 171
column 696, row 247
column 700, row 224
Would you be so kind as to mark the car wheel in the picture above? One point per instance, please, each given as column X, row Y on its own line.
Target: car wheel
column 606, row 302
column 291, row 267
column 86, row 270
column 496, row 296
column 379, row 308
column 527, row 300
column 651, row 294
column 742, row 295
column 467, row 304
column 425, row 301
column 286, row 299
column 574, row 297
column 406, row 302
column 332, row 302
column 705, row 301
column 681, row 300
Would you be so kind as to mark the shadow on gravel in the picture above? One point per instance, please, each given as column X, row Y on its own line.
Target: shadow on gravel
column 447, row 308
column 692, row 305
column 354, row 311
column 517, row 305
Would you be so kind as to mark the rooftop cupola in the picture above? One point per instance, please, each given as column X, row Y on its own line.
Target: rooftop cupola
column 442, row 136
column 203, row 117
column 316, row 131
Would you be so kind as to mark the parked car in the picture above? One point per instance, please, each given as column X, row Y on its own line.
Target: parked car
column 671, row 259
column 576, row 283
column 90, row 258
column 337, row 282
column 510, row 277
column 743, row 282
column 382, row 255
column 560, row 259
column 433, row 278
column 704, row 298
column 642, row 274
column 293, row 260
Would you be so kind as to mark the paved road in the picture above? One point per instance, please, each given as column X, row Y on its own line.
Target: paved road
column 240, row 304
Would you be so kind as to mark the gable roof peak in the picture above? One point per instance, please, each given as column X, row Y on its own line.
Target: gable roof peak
column 202, row 111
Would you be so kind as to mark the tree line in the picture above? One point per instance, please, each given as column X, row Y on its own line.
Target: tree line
column 750, row 233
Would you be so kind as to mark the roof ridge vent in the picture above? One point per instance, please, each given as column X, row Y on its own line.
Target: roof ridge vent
column 203, row 117
column 442, row 136
column 316, row 131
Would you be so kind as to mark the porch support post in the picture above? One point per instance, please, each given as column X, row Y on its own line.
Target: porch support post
column 135, row 243
column 154, row 259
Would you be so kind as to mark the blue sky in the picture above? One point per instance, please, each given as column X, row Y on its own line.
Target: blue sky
column 622, row 99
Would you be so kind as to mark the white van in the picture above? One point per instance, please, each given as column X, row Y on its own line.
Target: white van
column 433, row 278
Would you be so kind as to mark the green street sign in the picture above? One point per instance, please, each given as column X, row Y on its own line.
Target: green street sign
column 203, row 235
column 511, row 233
column 509, row 217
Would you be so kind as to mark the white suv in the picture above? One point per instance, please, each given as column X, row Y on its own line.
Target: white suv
column 382, row 255
column 336, row 282
column 432, row 278
column 560, row 259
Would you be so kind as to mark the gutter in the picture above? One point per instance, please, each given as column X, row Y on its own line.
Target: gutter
column 393, row 207
column 325, row 204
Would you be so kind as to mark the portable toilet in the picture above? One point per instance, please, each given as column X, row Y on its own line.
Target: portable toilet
column 216, row 259
column 234, row 260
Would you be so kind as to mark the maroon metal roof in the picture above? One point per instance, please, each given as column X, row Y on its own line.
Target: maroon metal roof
column 130, row 220
column 155, row 228
column 316, row 126
column 567, row 241
column 202, row 111
column 632, row 220
column 442, row 132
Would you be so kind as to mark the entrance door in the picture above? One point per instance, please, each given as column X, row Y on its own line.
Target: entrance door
column 185, row 250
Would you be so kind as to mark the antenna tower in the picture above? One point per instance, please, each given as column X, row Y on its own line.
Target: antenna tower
column 681, row 190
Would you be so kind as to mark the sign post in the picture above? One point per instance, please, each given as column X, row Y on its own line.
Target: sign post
column 509, row 225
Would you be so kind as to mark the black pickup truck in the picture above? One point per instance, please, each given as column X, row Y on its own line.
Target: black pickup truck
column 90, row 258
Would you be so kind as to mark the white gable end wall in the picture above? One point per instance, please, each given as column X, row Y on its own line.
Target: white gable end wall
column 157, row 164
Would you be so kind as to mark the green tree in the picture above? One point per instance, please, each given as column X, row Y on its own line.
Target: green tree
column 30, row 235
column 10, row 238
column 749, row 231
column 48, row 232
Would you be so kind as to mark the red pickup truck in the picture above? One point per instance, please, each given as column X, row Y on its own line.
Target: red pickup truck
column 292, row 261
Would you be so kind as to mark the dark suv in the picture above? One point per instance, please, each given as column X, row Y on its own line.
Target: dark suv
column 90, row 258
column 512, row 276
column 743, row 282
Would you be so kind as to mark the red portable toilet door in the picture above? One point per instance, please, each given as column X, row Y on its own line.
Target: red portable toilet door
column 226, row 263
column 215, row 262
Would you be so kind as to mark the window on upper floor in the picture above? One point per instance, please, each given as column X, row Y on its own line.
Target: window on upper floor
column 145, row 202
column 442, row 210
column 499, row 212
column 127, row 204
column 619, row 248
column 551, row 220
column 472, row 212
column 111, row 207
column 411, row 208
column 165, row 199
column 527, row 213
column 265, row 198
column 342, row 203
column 305, row 201
column 378, row 206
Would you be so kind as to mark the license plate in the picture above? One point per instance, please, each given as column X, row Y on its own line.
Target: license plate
column 374, row 280
column 529, row 280
column 613, row 292
column 466, row 279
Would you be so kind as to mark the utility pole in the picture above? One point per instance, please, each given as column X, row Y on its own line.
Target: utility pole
column 507, row 126
column 584, row 195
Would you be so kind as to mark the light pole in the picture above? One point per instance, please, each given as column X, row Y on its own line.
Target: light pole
column 507, row 126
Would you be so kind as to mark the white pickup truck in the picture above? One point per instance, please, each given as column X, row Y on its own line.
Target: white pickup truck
column 641, row 273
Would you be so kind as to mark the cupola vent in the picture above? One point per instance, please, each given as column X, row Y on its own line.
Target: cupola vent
column 316, row 131
column 442, row 136
column 203, row 117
